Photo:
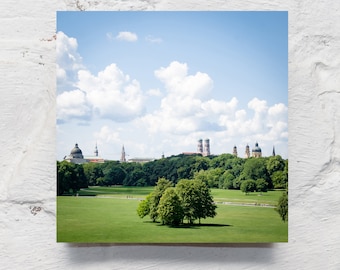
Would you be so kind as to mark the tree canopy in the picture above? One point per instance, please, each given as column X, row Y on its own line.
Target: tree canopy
column 189, row 200
column 282, row 206
column 223, row 171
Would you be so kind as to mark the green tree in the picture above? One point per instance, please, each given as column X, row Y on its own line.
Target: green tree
column 275, row 163
column 115, row 175
column 189, row 198
column 280, row 179
column 170, row 209
column 206, row 206
column 70, row 178
column 144, row 206
column 255, row 168
column 261, row 185
column 136, row 177
column 196, row 199
column 282, row 206
column 248, row 186
column 226, row 180
column 161, row 186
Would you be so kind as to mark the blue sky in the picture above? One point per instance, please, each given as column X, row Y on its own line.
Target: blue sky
column 158, row 81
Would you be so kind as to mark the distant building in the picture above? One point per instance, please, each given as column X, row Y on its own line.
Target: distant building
column 122, row 157
column 256, row 152
column 247, row 153
column 206, row 147
column 140, row 160
column 76, row 156
column 200, row 146
column 235, row 151
column 204, row 151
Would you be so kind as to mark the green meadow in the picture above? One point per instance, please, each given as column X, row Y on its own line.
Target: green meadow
column 108, row 215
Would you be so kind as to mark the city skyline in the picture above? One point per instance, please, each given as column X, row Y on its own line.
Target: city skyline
column 156, row 82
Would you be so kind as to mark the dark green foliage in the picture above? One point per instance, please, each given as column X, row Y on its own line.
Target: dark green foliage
column 248, row 186
column 226, row 180
column 70, row 178
column 144, row 206
column 114, row 175
column 280, row 179
column 255, row 168
column 205, row 207
column 282, row 206
column 278, row 170
column 93, row 172
column 261, row 185
column 190, row 200
column 223, row 171
column 170, row 209
column 156, row 195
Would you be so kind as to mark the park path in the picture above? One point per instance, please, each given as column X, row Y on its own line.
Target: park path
column 129, row 197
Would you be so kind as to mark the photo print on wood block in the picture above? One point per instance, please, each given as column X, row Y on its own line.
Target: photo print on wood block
column 172, row 127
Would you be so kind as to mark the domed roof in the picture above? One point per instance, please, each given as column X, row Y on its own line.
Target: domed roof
column 257, row 148
column 76, row 152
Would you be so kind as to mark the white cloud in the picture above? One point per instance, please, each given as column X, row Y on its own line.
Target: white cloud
column 177, row 81
column 68, row 59
column 154, row 92
column 72, row 104
column 109, row 94
column 127, row 36
column 153, row 39
column 107, row 135
column 257, row 105
column 186, row 107
column 112, row 94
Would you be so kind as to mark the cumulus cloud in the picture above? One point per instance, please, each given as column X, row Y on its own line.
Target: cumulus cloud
column 68, row 59
column 261, row 122
column 127, row 36
column 177, row 81
column 110, row 94
column 187, row 106
column 72, row 104
column 107, row 135
column 154, row 92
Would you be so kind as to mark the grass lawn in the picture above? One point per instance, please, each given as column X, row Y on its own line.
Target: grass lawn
column 113, row 219
column 220, row 195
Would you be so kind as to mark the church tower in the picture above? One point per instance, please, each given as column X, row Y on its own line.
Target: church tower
column 247, row 153
column 200, row 146
column 122, row 157
column 257, row 152
column 206, row 148
column 96, row 151
column 235, row 151
column 273, row 151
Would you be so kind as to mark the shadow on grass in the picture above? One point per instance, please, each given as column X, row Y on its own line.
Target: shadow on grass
column 196, row 226
column 188, row 225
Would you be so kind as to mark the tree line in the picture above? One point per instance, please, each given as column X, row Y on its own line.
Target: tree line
column 224, row 171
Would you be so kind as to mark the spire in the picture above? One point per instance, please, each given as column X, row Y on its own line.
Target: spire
column 96, row 151
column 122, row 158
column 273, row 151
